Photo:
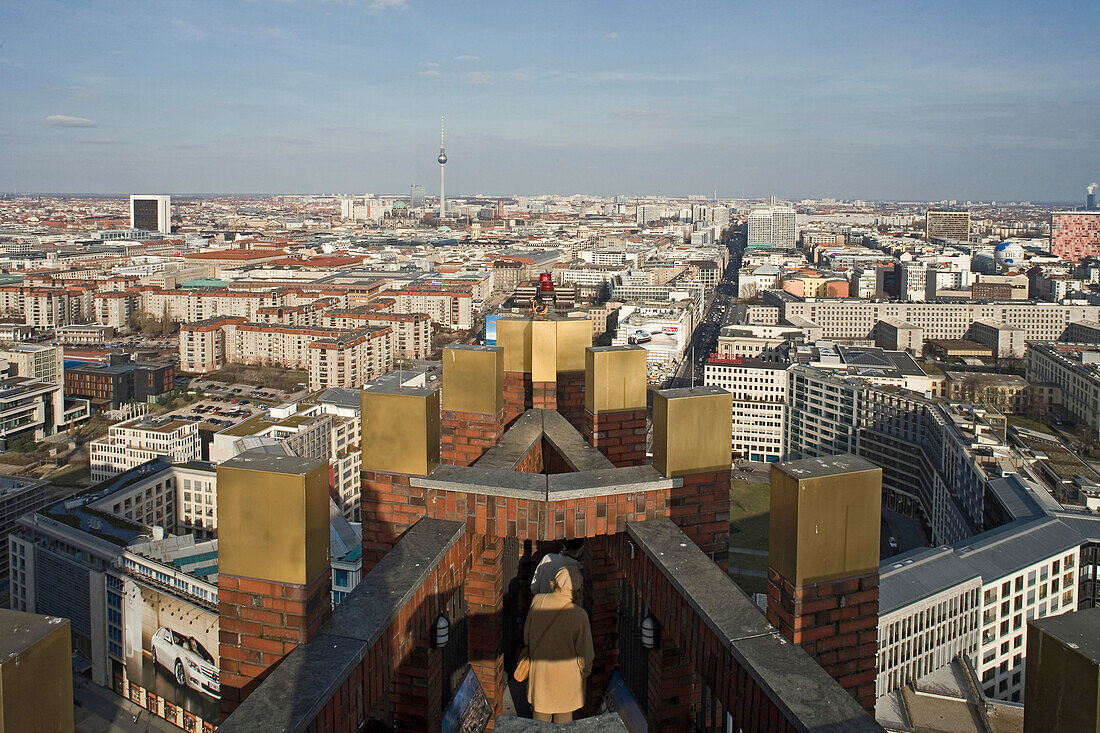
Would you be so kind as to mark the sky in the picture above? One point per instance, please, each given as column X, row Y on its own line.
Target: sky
column 878, row 100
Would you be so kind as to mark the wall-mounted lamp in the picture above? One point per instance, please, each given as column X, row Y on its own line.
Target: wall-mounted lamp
column 651, row 632
column 442, row 632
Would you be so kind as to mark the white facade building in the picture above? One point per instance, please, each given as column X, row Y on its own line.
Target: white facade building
column 759, row 404
column 131, row 443
column 774, row 227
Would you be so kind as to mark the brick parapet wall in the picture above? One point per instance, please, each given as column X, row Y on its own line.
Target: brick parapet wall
column 465, row 436
column 701, row 508
column 260, row 622
column 535, row 519
column 389, row 505
column 601, row 600
column 400, row 675
column 674, row 690
column 620, row 436
column 570, row 397
column 485, row 599
column 835, row 622
column 517, row 395
column 544, row 395
column 709, row 656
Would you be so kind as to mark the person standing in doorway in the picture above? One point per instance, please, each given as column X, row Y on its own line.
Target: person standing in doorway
column 570, row 556
column 559, row 637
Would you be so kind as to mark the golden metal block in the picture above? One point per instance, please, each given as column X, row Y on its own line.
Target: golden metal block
column 544, row 351
column 691, row 430
column 614, row 378
column 574, row 336
column 273, row 517
column 824, row 520
column 473, row 379
column 400, row 430
column 514, row 336
column 36, row 673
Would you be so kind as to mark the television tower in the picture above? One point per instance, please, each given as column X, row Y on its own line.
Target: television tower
column 442, row 160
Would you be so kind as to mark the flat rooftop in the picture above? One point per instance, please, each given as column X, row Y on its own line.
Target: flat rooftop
column 830, row 466
column 1077, row 630
column 272, row 463
column 157, row 424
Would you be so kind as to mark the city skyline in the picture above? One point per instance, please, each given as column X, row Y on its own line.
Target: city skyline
column 984, row 102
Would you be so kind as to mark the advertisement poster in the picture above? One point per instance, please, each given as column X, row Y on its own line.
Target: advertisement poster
column 170, row 648
column 469, row 710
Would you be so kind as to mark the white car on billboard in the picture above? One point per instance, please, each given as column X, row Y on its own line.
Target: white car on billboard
column 187, row 660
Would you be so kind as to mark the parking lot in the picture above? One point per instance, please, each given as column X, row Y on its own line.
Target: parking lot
column 225, row 405
column 217, row 413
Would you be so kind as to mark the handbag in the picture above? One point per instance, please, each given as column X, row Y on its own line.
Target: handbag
column 523, row 664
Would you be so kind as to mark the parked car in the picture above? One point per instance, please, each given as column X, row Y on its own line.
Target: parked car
column 893, row 543
column 187, row 660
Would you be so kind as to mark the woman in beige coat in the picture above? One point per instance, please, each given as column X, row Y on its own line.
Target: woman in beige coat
column 559, row 638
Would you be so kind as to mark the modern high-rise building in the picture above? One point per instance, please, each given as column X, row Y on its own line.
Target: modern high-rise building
column 347, row 209
column 151, row 213
column 772, row 227
column 1075, row 235
column 416, row 196
column 952, row 225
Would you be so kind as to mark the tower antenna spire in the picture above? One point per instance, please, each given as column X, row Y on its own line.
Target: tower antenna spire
column 442, row 160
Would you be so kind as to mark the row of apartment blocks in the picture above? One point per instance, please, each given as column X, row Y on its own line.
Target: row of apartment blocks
column 324, row 427
column 857, row 319
column 48, row 302
column 356, row 347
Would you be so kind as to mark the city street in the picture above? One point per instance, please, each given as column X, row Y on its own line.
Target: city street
column 718, row 313
column 99, row 710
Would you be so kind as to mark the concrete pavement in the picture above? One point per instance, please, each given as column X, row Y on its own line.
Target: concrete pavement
column 99, row 710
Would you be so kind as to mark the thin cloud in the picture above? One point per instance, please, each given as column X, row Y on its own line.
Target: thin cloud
column 479, row 78
column 430, row 74
column 612, row 35
column 430, row 64
column 67, row 121
column 467, row 57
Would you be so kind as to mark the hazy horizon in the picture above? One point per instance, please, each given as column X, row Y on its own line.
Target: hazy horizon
column 975, row 101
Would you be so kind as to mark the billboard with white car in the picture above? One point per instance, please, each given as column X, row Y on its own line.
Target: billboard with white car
column 170, row 647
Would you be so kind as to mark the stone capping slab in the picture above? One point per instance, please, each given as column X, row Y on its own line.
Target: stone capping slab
column 608, row 482
column 516, row 443
column 541, row 487
column 298, row 689
column 809, row 698
column 538, row 424
column 478, row 479
column 570, row 444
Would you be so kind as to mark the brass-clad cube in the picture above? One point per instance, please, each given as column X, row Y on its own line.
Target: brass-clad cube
column 573, row 337
column 1063, row 673
column 824, row 521
column 544, row 351
column 36, row 673
column 692, row 430
column 473, row 379
column 400, row 430
column 614, row 379
column 273, row 517
column 514, row 336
